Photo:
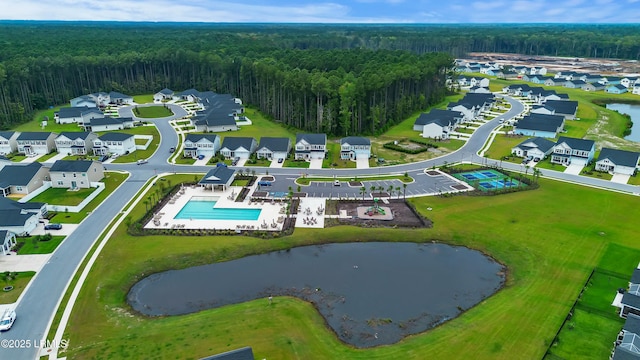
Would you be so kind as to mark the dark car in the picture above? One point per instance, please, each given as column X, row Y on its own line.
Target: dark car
column 104, row 158
column 280, row 160
column 172, row 149
column 200, row 157
column 53, row 227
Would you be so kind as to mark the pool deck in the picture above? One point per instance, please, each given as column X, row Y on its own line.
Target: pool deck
column 311, row 213
column 271, row 217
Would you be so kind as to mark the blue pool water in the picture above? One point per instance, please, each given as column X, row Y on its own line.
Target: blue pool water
column 205, row 210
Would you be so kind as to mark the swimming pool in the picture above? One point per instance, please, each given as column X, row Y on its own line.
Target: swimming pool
column 200, row 209
column 488, row 179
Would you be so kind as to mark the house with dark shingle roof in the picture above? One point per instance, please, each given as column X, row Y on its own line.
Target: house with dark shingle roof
column 84, row 100
column 163, row 95
column 77, row 115
column 238, row 147
column 310, row 146
column 75, row 143
column 438, row 124
column 20, row 218
column 244, row 353
column 618, row 161
column 566, row 108
column 120, row 98
column 201, row 144
column 355, row 147
column 536, row 147
column 220, row 177
column 109, row 124
column 273, row 148
column 8, row 142
column 571, row 151
column 616, row 89
column 22, row 179
column 541, row 125
column 114, row 143
column 36, row 143
column 593, row 86
column 7, row 241
column 221, row 111
column 75, row 174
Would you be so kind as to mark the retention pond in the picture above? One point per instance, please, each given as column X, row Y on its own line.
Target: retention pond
column 369, row 293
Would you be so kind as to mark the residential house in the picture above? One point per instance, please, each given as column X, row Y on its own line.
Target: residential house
column 120, row 98
column 114, row 143
column 589, row 78
column 36, row 143
column 7, row 241
column 201, row 144
column 82, row 101
column 20, row 218
column 555, row 82
column 355, row 147
column 77, row 115
column 536, row 147
column 438, row 124
column 220, row 177
column 566, row 108
column 627, row 344
column 221, row 111
column 479, row 82
column 574, row 84
column 8, row 142
column 616, row 89
column 163, row 95
column 109, row 124
column 618, row 161
column 463, row 81
column 310, row 146
column 22, row 179
column 628, row 81
column 479, row 90
column 571, row 151
column 541, row 125
column 611, row 80
column 517, row 90
column 497, row 72
column 472, row 105
column 273, row 148
column 191, row 95
column 100, row 98
column 509, row 75
column 636, row 89
column 593, row 86
column 542, row 109
column 238, row 147
column 535, row 70
column 75, row 174
column 75, row 143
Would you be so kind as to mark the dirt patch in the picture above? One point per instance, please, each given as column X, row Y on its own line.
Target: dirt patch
column 433, row 173
column 268, row 178
column 403, row 214
column 355, row 183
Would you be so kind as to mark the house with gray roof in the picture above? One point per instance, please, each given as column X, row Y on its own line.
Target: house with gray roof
column 75, row 174
column 7, row 241
column 109, row 124
column 244, row 353
column 8, row 142
column 163, row 95
column 120, row 98
column 540, row 125
column 273, row 148
column 114, row 143
column 20, row 218
column 536, row 147
column 82, row 101
column 566, row 108
column 618, row 161
column 593, row 86
column 574, row 84
column 22, row 179
column 218, row 178
column 355, row 147
column 75, row 143
column 310, row 146
column 201, row 144
column 438, row 123
column 36, row 143
column 616, row 89
column 572, row 151
column 221, row 111
column 238, row 147
column 77, row 115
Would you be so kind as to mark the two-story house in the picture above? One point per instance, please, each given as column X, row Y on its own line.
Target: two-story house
column 310, row 146
column 20, row 218
column 75, row 174
column 536, row 147
column 571, row 151
column 77, row 115
column 201, row 144
column 238, row 147
column 355, row 147
column 114, row 143
column 8, row 142
column 438, row 124
column 84, row 100
column 75, row 143
column 36, row 143
column 109, row 124
column 273, row 148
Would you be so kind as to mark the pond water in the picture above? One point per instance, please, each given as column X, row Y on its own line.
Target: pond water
column 634, row 112
column 369, row 293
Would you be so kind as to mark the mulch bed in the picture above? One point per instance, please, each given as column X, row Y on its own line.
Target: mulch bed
column 433, row 173
column 403, row 214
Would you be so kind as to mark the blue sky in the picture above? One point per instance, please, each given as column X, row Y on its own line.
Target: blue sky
column 328, row 11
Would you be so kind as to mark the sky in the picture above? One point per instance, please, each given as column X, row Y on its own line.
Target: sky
column 328, row 11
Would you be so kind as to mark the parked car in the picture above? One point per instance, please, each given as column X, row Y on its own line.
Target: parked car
column 280, row 160
column 53, row 226
column 264, row 183
column 536, row 159
column 7, row 320
column 235, row 161
column 200, row 157
column 104, row 158
column 336, row 183
column 172, row 149
column 142, row 161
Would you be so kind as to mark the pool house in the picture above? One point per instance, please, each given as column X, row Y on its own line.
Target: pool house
column 218, row 178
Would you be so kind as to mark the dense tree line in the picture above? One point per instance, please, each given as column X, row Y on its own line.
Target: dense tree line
column 341, row 79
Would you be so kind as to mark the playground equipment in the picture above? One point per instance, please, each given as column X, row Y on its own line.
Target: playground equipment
column 375, row 209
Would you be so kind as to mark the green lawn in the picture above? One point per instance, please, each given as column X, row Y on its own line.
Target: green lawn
column 111, row 180
column 36, row 125
column 152, row 112
column 334, row 160
column 143, row 99
column 140, row 141
column 48, row 156
column 296, row 163
column 309, row 179
column 261, row 126
column 140, row 154
column 42, row 247
column 185, row 160
column 548, row 263
column 634, row 180
column 19, row 283
column 240, row 182
column 17, row 157
column 502, row 145
column 258, row 162
column 62, row 196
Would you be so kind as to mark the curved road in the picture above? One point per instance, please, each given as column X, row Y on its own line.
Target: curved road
column 40, row 301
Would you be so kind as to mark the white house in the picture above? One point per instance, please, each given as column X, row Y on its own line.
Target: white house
column 20, row 218
column 75, row 143
column 238, row 147
column 77, row 115
column 163, row 95
column 36, row 143
column 438, row 123
column 75, row 174
column 479, row 82
column 355, row 147
column 273, row 148
column 84, row 100
column 8, row 142
column 628, row 81
column 201, row 144
column 109, row 124
column 536, row 147
column 7, row 241
column 22, row 179
column 114, row 143
column 568, row 151
column 120, row 98
column 221, row 111
column 618, row 161
column 310, row 146
column 636, row 89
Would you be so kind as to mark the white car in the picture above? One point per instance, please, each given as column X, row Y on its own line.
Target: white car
column 7, row 320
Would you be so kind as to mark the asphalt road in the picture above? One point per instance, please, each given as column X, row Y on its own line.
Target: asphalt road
column 40, row 301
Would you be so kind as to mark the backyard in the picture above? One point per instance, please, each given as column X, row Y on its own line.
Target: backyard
column 140, row 154
column 39, row 244
column 63, row 196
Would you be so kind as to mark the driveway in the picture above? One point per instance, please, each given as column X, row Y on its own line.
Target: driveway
column 315, row 164
column 241, row 162
column 620, row 178
column 276, row 164
column 30, row 159
column 57, row 157
column 362, row 163
column 574, row 169
column 66, row 230
column 203, row 162
column 23, row 262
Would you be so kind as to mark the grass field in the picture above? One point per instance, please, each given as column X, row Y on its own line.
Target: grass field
column 152, row 112
column 19, row 283
column 309, row 179
column 333, row 159
column 548, row 263
column 62, row 196
column 143, row 99
column 111, row 181
column 43, row 247
column 260, row 127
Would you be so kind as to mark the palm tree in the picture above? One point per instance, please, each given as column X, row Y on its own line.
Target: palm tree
column 404, row 190
column 398, row 191
column 390, row 191
column 363, row 190
column 373, row 188
column 536, row 175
